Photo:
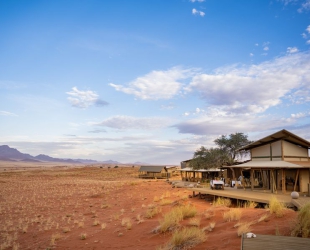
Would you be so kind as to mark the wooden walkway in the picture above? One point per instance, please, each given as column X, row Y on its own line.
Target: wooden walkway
column 274, row 242
column 256, row 196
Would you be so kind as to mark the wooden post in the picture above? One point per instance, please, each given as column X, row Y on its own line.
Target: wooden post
column 296, row 178
column 274, row 185
column 283, row 181
column 252, row 179
column 263, row 180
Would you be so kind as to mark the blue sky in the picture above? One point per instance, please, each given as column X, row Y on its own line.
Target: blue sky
column 150, row 81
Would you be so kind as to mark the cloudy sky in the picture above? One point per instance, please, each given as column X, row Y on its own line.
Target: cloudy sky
column 150, row 81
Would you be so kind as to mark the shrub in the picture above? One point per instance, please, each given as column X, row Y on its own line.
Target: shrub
column 187, row 237
column 302, row 227
column 276, row 207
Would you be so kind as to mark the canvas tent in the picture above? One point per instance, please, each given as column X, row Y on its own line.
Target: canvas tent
column 278, row 162
column 153, row 172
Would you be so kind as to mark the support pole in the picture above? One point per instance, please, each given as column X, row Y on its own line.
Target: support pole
column 283, row 181
column 252, row 179
column 296, row 178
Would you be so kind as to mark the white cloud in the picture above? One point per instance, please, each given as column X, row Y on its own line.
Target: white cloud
column 292, row 50
column 129, row 122
column 305, row 6
column 256, row 44
column 266, row 48
column 84, row 99
column 5, row 113
column 212, row 124
column 157, row 84
column 308, row 42
column 197, row 12
column 255, row 88
column 308, row 29
column 304, row 35
column 299, row 115
column 199, row 1
column 251, row 54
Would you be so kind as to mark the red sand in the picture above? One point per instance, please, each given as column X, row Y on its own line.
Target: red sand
column 35, row 205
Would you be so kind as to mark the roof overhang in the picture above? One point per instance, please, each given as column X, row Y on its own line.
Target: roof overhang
column 201, row 170
column 280, row 135
column 272, row 164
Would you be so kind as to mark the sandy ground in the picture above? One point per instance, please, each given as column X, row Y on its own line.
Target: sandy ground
column 87, row 208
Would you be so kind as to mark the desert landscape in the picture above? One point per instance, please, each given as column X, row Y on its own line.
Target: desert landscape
column 102, row 207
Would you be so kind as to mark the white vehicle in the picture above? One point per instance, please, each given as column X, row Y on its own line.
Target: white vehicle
column 215, row 184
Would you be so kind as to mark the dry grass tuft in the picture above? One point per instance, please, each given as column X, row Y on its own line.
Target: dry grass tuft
column 170, row 221
column 250, row 204
column 126, row 222
column 232, row 214
column 186, row 238
column 151, row 212
column 208, row 215
column 276, row 207
column 194, row 222
column 222, row 202
column 83, row 236
column 244, row 228
column 165, row 202
column 302, row 226
column 210, row 227
column 96, row 222
column 264, row 217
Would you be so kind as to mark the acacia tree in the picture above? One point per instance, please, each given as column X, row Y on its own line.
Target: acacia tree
column 208, row 158
column 230, row 144
column 225, row 154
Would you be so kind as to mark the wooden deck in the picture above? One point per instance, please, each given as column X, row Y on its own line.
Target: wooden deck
column 274, row 242
column 259, row 196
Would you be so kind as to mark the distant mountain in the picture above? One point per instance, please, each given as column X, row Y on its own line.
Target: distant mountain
column 30, row 160
column 110, row 162
column 12, row 154
column 42, row 157
column 140, row 163
column 86, row 161
column 6, row 159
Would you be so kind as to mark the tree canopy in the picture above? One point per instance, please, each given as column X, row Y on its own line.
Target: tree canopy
column 226, row 152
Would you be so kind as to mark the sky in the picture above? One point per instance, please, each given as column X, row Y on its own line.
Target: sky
column 150, row 80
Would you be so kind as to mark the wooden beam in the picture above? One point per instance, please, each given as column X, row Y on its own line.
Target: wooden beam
column 283, row 181
column 296, row 178
column 262, row 176
column 282, row 150
column 252, row 179
column 274, row 185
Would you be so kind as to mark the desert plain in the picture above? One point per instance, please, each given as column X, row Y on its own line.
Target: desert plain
column 101, row 207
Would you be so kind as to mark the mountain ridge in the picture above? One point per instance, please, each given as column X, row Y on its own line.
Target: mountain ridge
column 12, row 154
